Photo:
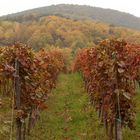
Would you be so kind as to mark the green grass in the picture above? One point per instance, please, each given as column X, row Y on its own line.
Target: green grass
column 70, row 115
column 134, row 134
column 5, row 118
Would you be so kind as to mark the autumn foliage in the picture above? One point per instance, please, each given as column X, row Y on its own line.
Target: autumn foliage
column 111, row 71
column 38, row 73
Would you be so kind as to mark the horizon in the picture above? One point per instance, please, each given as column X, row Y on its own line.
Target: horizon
column 20, row 6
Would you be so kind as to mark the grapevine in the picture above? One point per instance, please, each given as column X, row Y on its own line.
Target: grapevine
column 110, row 72
column 32, row 76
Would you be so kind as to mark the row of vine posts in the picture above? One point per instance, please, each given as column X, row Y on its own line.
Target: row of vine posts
column 111, row 71
column 30, row 76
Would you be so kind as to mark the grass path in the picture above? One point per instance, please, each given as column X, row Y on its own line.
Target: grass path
column 70, row 115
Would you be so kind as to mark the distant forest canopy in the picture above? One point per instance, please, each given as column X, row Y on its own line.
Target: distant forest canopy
column 78, row 12
column 61, row 32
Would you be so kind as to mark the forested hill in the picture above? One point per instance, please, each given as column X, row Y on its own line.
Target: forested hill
column 61, row 32
column 78, row 12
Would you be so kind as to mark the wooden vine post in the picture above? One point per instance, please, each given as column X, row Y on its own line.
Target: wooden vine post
column 118, row 125
column 18, row 100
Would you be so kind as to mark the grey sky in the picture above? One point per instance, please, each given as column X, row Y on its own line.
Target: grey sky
column 12, row 6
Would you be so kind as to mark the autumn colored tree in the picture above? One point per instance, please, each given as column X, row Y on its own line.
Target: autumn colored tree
column 62, row 32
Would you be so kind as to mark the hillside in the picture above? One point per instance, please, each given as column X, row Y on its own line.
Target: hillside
column 61, row 32
column 78, row 12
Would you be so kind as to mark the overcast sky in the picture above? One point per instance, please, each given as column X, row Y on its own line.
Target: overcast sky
column 12, row 6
